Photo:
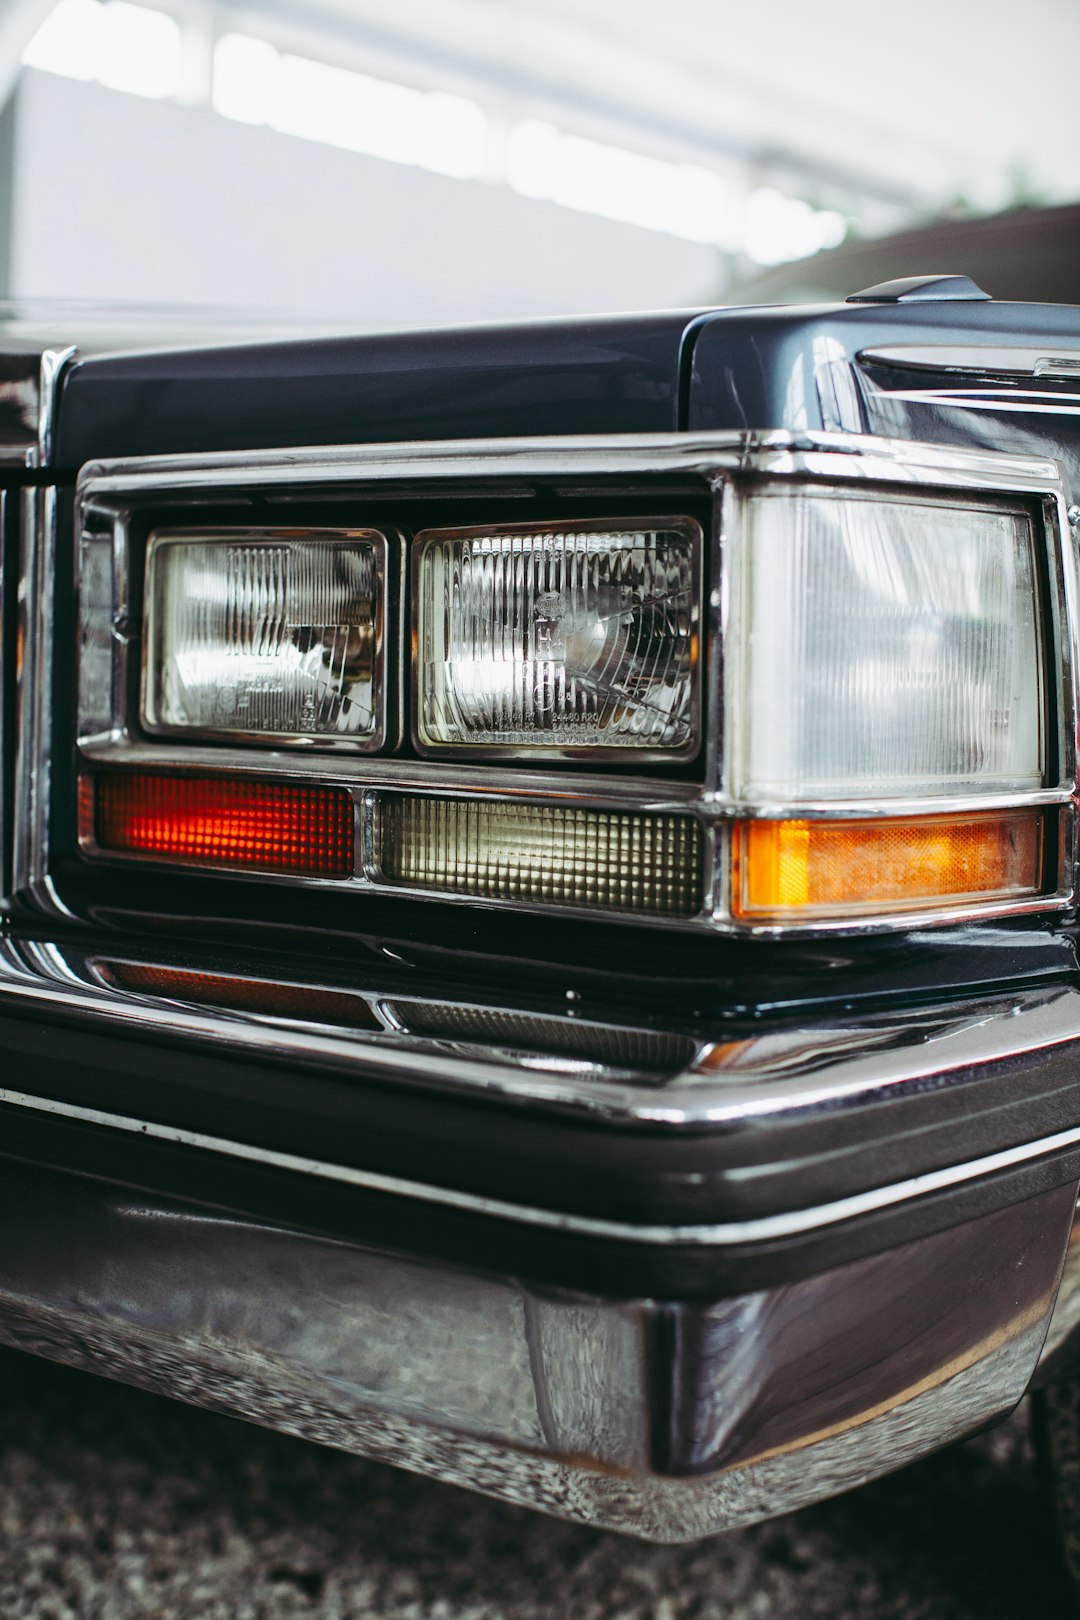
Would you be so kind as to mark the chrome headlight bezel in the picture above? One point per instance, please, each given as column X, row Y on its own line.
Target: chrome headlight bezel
column 724, row 468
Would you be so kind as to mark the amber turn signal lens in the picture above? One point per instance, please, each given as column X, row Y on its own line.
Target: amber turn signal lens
column 215, row 821
column 788, row 870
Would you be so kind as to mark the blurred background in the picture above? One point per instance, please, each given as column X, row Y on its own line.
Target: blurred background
column 427, row 161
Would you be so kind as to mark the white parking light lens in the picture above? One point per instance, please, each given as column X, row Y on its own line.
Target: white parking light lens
column 884, row 647
column 582, row 636
column 266, row 635
column 543, row 855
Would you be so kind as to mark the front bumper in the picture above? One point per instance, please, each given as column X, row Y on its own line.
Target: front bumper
column 738, row 1313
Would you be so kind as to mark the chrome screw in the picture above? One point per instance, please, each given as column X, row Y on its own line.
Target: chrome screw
column 1074, row 515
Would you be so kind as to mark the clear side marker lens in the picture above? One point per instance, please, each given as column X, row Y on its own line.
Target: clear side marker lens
column 884, row 646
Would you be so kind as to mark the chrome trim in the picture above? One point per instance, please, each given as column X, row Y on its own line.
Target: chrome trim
column 475, row 780
column 556, row 1400
column 29, row 383
column 380, row 542
column 108, row 493
column 27, row 422
column 916, row 918
column 33, row 702
column 606, row 792
column 1018, row 403
column 716, row 608
column 54, row 362
column 592, row 753
column 564, row 459
column 720, row 1235
column 999, row 359
column 732, row 1081
column 944, row 804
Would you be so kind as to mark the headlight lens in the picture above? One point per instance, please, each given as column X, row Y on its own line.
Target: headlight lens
column 883, row 647
column 584, row 637
column 270, row 635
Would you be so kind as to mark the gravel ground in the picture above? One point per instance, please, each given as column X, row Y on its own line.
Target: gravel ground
column 117, row 1504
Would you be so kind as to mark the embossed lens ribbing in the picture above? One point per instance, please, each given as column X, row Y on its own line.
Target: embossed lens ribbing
column 582, row 636
column 212, row 821
column 883, row 645
column 271, row 635
column 540, row 854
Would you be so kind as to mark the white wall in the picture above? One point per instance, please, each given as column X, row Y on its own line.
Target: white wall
column 118, row 198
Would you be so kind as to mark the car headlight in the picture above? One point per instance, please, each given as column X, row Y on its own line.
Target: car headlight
column 266, row 635
column 852, row 706
column 572, row 637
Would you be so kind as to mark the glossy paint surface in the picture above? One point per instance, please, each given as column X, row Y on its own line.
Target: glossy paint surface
column 586, row 376
column 731, row 368
column 760, row 1154
column 796, row 367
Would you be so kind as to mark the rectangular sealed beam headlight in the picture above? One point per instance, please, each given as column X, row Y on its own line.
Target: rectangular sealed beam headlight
column 578, row 637
column 266, row 635
column 540, row 855
column 883, row 647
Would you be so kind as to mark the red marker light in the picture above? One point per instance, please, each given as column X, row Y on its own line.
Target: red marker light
column 218, row 821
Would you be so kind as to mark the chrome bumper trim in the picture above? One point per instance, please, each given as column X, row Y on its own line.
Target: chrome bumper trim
column 786, row 1072
column 868, row 1063
column 893, row 460
column 663, row 1420
column 728, row 1234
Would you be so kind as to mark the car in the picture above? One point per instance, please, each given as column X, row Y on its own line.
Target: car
column 540, row 889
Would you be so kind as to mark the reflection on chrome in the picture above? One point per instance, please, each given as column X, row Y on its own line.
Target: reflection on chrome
column 668, row 1421
column 656, row 1076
